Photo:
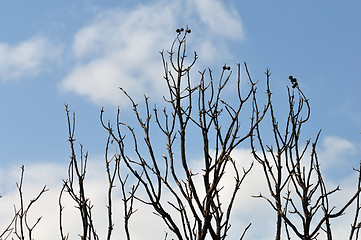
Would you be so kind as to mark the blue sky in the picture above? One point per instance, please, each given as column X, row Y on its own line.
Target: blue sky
column 78, row 52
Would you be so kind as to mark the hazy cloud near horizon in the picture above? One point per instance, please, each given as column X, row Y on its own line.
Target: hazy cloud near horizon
column 246, row 209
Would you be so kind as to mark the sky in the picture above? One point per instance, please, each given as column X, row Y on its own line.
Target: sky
column 80, row 52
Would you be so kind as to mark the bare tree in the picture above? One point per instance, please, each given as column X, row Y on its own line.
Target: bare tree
column 74, row 186
column 295, row 182
column 127, row 197
column 197, row 211
column 20, row 227
column 156, row 152
column 356, row 224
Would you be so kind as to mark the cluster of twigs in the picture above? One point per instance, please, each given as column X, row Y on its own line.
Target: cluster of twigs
column 295, row 181
column 74, row 186
column 199, row 211
column 19, row 226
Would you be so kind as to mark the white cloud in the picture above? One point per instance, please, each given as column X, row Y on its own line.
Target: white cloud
column 219, row 19
column 336, row 147
column 337, row 154
column 120, row 48
column 26, row 58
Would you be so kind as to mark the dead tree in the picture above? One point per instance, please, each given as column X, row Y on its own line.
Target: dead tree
column 157, row 154
column 74, row 187
column 193, row 211
column 112, row 164
column 356, row 224
column 19, row 226
column 296, row 185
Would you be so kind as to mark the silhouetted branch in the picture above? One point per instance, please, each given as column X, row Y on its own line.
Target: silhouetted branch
column 199, row 211
column 76, row 177
column 19, row 225
column 284, row 165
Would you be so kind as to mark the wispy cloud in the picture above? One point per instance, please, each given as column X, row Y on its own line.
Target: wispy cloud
column 119, row 48
column 28, row 58
column 219, row 19
column 338, row 156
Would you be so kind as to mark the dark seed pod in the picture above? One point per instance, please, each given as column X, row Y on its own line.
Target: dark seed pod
column 290, row 77
column 181, row 29
column 225, row 67
column 188, row 31
column 295, row 84
column 178, row 30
